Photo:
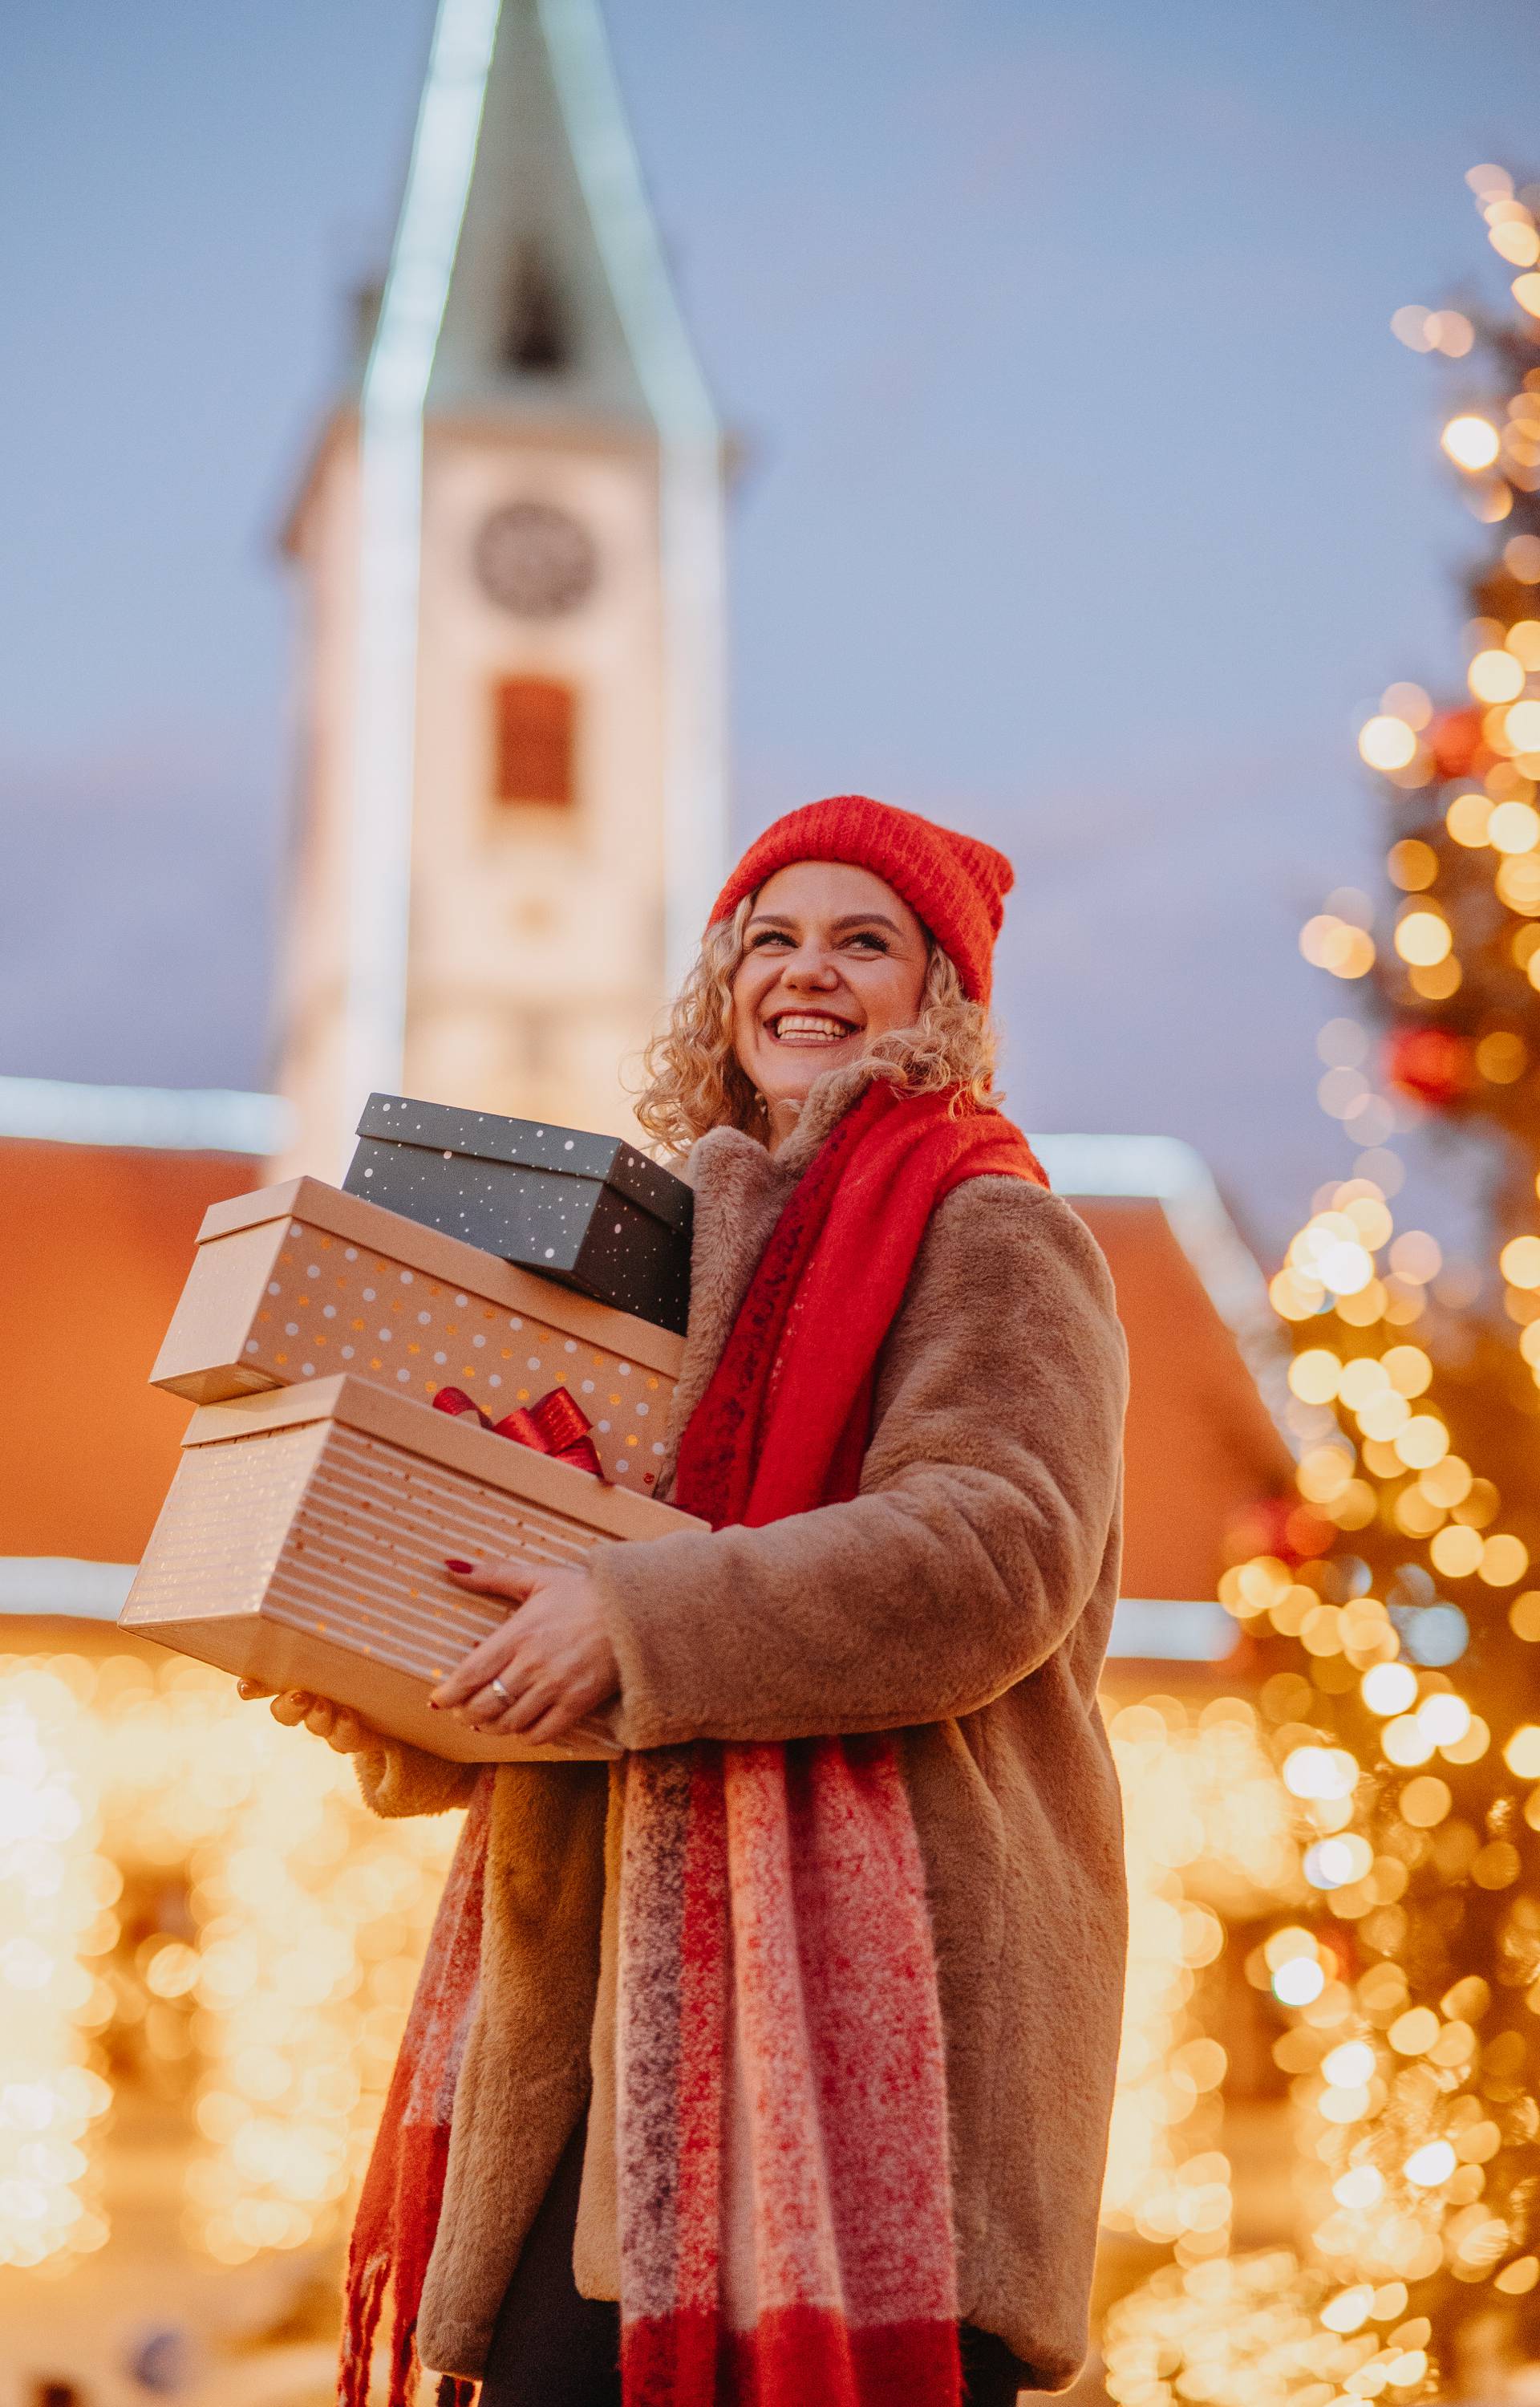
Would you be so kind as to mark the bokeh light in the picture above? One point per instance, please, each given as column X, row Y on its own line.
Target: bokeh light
column 1208, row 1835
column 310, row 1916
column 1471, row 442
column 1388, row 743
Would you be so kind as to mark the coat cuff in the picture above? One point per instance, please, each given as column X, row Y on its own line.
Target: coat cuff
column 397, row 1779
column 640, row 1586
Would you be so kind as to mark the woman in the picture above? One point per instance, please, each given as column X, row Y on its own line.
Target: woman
column 795, row 2034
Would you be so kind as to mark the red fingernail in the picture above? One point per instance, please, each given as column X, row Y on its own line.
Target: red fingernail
column 453, row 1563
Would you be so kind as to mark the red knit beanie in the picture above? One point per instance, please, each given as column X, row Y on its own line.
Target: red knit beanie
column 956, row 884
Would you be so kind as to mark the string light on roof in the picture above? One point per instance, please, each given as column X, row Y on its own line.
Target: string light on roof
column 390, row 542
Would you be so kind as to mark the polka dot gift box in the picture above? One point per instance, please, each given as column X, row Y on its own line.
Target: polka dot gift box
column 302, row 1544
column 301, row 1282
column 587, row 1210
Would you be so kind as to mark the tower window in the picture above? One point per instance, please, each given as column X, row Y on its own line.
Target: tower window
column 538, row 338
column 534, row 728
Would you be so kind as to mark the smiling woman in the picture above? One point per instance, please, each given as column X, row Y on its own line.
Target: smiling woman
column 781, row 2054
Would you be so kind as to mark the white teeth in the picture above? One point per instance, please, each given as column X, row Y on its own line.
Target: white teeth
column 810, row 1028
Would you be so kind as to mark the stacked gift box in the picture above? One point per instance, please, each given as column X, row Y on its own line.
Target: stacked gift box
column 589, row 1211
column 375, row 1393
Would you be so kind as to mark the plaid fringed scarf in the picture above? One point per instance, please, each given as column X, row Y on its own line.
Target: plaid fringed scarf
column 786, row 2207
column 398, row 2212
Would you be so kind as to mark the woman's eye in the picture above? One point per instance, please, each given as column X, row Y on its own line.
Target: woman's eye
column 768, row 936
column 870, row 940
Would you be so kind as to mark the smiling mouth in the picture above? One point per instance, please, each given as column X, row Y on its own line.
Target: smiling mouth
column 810, row 1028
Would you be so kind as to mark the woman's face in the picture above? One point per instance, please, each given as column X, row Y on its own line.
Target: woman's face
column 833, row 959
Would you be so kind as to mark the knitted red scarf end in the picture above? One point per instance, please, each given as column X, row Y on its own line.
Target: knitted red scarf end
column 798, row 2353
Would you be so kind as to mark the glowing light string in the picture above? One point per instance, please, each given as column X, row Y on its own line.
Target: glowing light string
column 164, row 1119
column 395, row 387
column 690, row 469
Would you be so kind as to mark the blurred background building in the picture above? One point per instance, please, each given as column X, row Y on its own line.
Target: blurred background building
column 510, row 813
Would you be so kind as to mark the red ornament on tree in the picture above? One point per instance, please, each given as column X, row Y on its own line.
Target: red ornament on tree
column 1454, row 740
column 1279, row 1526
column 1435, row 1065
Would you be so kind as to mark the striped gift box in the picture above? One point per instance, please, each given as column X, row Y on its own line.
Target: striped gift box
column 302, row 1542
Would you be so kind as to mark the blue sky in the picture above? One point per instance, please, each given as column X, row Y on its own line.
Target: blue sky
column 1085, row 493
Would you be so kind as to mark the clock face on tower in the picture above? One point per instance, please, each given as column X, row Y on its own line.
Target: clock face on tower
column 534, row 560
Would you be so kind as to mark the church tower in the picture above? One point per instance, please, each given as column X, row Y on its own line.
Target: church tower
column 511, row 818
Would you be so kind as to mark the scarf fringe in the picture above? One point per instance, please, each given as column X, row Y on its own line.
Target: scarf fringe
column 363, row 2303
column 367, row 2292
column 396, row 2219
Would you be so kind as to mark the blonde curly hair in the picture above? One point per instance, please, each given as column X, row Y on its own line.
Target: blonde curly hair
column 693, row 1080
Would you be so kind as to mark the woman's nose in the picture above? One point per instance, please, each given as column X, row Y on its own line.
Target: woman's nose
column 809, row 968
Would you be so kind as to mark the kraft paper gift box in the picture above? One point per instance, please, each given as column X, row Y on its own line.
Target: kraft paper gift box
column 300, row 1281
column 303, row 1545
column 588, row 1210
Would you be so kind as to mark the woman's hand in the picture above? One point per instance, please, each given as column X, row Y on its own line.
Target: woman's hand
column 339, row 1725
column 552, row 1659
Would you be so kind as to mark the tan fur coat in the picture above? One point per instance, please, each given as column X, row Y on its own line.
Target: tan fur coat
column 963, row 1598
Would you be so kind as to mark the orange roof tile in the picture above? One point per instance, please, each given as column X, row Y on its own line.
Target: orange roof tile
column 95, row 1246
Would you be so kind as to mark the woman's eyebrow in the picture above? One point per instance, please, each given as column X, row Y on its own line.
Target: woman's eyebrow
column 851, row 919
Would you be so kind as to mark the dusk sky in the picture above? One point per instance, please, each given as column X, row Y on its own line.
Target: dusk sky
column 1086, row 495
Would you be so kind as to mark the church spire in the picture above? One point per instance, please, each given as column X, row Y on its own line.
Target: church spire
column 528, row 322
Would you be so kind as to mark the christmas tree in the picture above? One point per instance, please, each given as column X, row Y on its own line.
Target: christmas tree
column 1396, row 1625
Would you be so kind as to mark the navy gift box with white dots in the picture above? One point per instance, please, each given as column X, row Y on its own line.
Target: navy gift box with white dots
column 587, row 1210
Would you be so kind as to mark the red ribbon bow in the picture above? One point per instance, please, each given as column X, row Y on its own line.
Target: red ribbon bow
column 555, row 1424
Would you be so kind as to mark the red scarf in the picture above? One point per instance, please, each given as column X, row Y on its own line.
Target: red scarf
column 771, row 1909
column 787, row 2218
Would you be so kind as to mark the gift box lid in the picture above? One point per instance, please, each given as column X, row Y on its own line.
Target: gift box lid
column 442, row 1437
column 530, row 1145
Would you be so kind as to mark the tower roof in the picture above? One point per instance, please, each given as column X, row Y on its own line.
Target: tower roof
column 559, row 300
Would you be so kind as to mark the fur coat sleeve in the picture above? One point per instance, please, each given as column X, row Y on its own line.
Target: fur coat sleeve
column 988, row 1491
column 398, row 1779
